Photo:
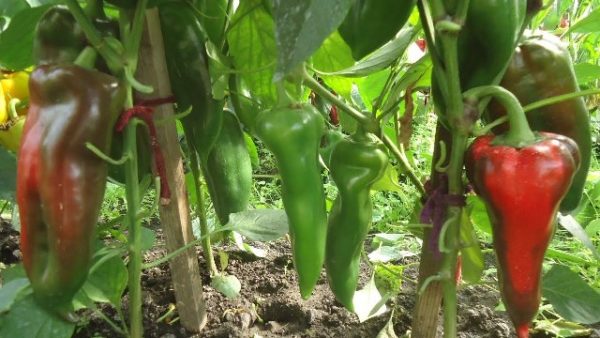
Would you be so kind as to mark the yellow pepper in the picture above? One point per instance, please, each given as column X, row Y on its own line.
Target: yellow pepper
column 3, row 107
column 16, row 86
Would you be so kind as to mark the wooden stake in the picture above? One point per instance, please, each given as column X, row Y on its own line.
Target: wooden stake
column 175, row 216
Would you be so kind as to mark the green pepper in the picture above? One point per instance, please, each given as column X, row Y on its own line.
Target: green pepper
column 60, row 182
column 356, row 164
column 371, row 23
column 187, row 63
column 293, row 134
column 228, row 170
column 486, row 43
column 542, row 68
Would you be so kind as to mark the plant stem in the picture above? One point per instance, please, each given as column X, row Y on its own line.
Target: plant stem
column 456, row 119
column 403, row 161
column 556, row 99
column 113, row 59
column 322, row 91
column 135, row 239
column 201, row 212
column 519, row 132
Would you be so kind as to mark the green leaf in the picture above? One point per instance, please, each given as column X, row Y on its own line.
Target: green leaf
column 570, row 296
column 386, row 253
column 107, row 281
column 378, row 60
column 472, row 258
column 148, row 238
column 388, row 330
column 8, row 174
column 389, row 180
column 333, row 55
column 10, row 291
column 8, row 8
column 260, row 225
column 569, row 223
column 586, row 72
column 13, row 272
column 228, row 285
column 589, row 24
column 302, row 26
column 252, row 150
column 368, row 302
column 27, row 319
column 478, row 214
column 16, row 42
column 252, row 46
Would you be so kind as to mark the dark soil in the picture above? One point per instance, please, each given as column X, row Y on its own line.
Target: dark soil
column 270, row 304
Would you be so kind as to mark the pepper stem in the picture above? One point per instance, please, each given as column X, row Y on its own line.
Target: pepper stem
column 520, row 133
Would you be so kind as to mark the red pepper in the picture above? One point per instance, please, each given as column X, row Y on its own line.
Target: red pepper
column 522, row 188
column 522, row 177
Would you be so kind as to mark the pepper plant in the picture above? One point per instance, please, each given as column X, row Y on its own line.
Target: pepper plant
column 326, row 87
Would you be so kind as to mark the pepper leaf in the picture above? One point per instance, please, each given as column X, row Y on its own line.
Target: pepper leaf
column 228, row 285
column 589, row 24
column 16, row 42
column 252, row 46
column 571, row 297
column 571, row 224
column 259, row 225
column 302, row 26
column 28, row 319
column 379, row 59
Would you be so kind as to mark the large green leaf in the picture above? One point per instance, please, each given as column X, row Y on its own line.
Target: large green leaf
column 589, row 24
column 302, row 26
column 571, row 297
column 27, row 319
column 380, row 59
column 16, row 42
column 334, row 55
column 252, row 46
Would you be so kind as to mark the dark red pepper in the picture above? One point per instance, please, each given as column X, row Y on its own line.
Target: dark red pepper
column 60, row 182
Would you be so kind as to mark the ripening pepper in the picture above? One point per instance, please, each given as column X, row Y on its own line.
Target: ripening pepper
column 542, row 68
column 355, row 165
column 522, row 177
column 293, row 134
column 371, row 23
column 60, row 183
column 58, row 37
column 187, row 62
column 10, row 133
column 228, row 170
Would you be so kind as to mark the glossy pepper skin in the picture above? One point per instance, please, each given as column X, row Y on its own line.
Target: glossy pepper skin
column 187, row 63
column 293, row 134
column 522, row 189
column 355, row 165
column 228, row 170
column 371, row 23
column 60, row 183
column 542, row 68
column 10, row 133
column 486, row 43
column 58, row 37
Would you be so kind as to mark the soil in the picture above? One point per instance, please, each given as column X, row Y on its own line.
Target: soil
column 270, row 305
